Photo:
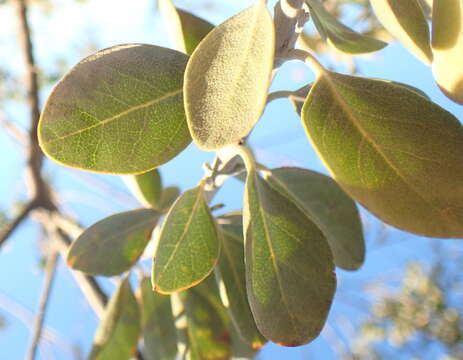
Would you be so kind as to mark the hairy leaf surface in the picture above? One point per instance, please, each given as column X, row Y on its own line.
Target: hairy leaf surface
column 231, row 275
column 328, row 206
column 447, row 45
column 227, row 78
column 159, row 334
column 188, row 247
column 117, row 335
column 405, row 20
column 147, row 187
column 112, row 245
column 340, row 36
column 290, row 275
column 119, row 110
column 392, row 150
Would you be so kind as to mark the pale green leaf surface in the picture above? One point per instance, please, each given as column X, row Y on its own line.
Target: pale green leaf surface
column 340, row 36
column 231, row 276
column 290, row 275
column 405, row 20
column 146, row 188
column 188, row 247
column 328, row 206
column 117, row 335
column 172, row 22
column 159, row 333
column 390, row 149
column 227, row 78
column 112, row 245
column 447, row 46
column 119, row 110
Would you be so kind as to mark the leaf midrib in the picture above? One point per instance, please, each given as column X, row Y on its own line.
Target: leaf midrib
column 182, row 236
column 346, row 108
column 117, row 116
column 275, row 266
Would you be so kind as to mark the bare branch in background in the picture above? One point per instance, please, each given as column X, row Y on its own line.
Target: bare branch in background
column 50, row 273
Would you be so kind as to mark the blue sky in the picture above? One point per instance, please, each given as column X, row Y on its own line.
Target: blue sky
column 277, row 140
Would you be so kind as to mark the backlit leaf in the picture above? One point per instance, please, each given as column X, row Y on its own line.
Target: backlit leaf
column 186, row 30
column 405, row 20
column 159, row 334
column 114, row 244
column 168, row 196
column 227, row 78
column 447, row 45
column 117, row 335
column 119, row 110
column 188, row 247
column 147, row 187
column 290, row 275
column 208, row 336
column 340, row 36
column 232, row 280
column 328, row 206
column 392, row 150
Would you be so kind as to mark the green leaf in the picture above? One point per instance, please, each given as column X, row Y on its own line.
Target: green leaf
column 328, row 206
column 208, row 336
column 405, row 20
column 299, row 97
column 340, row 36
column 289, row 266
column 194, row 29
column 168, row 196
column 231, row 278
column 390, row 149
column 114, row 244
column 147, row 187
column 119, row 110
column 235, row 62
column 159, row 333
column 186, row 30
column 117, row 335
column 188, row 246
column 447, row 46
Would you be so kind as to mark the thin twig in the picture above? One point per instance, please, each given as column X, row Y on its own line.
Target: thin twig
column 7, row 230
column 50, row 272
column 14, row 131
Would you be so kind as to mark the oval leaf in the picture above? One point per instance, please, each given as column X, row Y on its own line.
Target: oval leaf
column 328, row 206
column 188, row 246
column 147, row 187
column 231, row 277
column 114, row 244
column 340, row 36
column 186, row 30
column 235, row 62
column 290, row 275
column 447, row 45
column 158, row 327
column 118, row 111
column 392, row 150
column 117, row 335
column 405, row 20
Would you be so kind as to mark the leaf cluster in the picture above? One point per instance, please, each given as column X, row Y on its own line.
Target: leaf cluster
column 268, row 271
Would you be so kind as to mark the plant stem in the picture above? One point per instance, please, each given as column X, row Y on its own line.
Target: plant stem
column 308, row 58
column 50, row 271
